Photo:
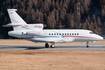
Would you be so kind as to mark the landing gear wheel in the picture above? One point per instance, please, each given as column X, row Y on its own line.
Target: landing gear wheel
column 52, row 46
column 87, row 46
column 46, row 45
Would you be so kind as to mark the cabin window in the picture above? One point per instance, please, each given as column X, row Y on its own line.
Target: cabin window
column 54, row 33
column 77, row 33
column 59, row 33
column 62, row 33
column 67, row 33
column 72, row 33
column 49, row 34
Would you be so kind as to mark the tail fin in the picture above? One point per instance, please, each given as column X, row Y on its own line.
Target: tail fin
column 16, row 19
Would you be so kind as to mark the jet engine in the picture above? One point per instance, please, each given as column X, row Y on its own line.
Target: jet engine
column 33, row 33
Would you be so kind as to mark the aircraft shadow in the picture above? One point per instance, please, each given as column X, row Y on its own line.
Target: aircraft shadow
column 30, row 47
column 21, row 47
column 78, row 47
column 42, row 47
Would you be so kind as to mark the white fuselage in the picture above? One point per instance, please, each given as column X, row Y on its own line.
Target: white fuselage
column 57, row 35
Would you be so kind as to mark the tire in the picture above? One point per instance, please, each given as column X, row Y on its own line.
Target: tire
column 87, row 46
column 52, row 46
column 46, row 45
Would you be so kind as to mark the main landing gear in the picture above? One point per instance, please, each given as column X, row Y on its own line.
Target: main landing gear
column 47, row 45
column 52, row 46
column 87, row 44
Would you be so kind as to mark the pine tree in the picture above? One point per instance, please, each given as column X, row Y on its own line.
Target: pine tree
column 33, row 18
column 102, row 13
column 84, row 25
column 99, row 21
column 81, row 26
column 72, row 23
column 94, row 18
column 82, row 10
column 57, row 16
column 60, row 25
column 88, row 18
column 92, row 25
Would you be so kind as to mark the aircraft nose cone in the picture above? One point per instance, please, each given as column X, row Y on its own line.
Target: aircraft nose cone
column 101, row 38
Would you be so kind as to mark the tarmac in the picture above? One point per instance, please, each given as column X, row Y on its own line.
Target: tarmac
column 68, row 47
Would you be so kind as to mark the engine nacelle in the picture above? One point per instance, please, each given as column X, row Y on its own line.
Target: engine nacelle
column 18, row 34
column 33, row 33
column 24, row 33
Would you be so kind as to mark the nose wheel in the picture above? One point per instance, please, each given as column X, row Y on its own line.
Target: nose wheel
column 87, row 44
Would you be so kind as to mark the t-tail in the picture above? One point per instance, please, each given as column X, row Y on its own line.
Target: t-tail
column 16, row 20
column 14, row 17
column 19, row 24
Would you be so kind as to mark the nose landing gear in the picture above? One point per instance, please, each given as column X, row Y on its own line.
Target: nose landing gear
column 87, row 44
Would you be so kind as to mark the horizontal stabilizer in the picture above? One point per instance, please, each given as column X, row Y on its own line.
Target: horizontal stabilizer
column 12, row 9
column 11, row 24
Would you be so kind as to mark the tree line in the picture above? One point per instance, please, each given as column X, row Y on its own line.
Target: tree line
column 55, row 14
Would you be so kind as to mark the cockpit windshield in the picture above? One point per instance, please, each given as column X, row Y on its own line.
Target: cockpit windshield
column 92, row 33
